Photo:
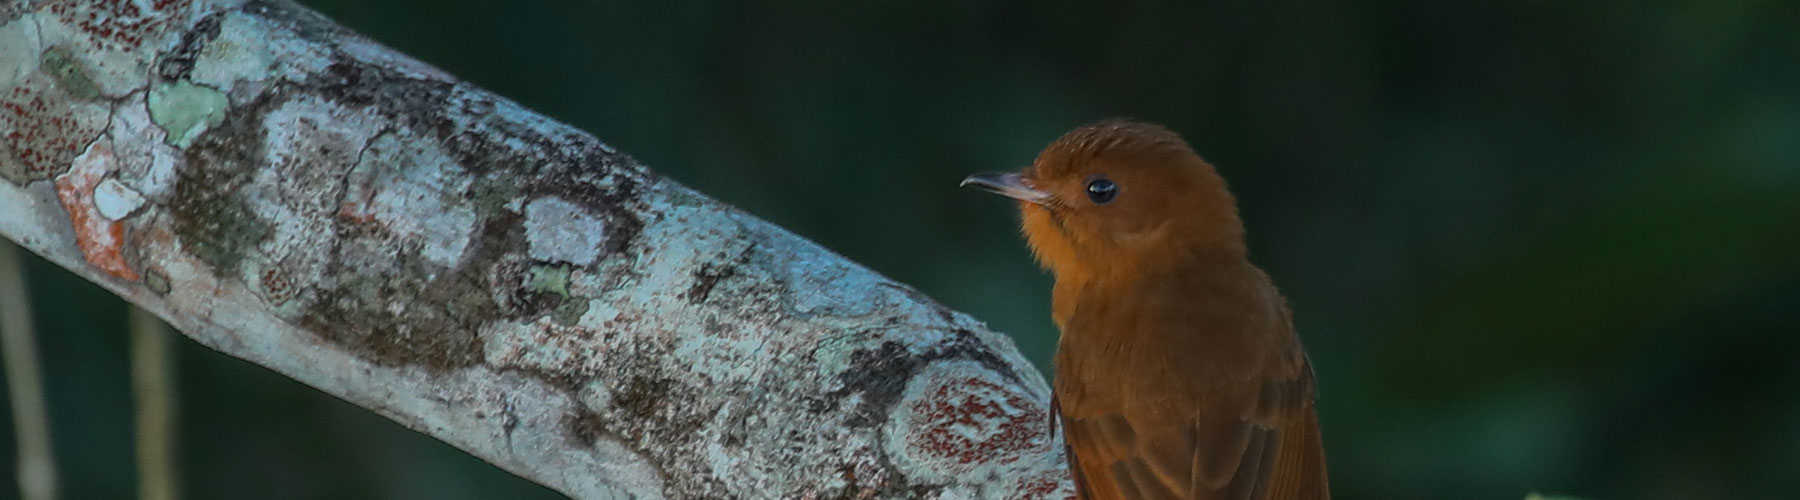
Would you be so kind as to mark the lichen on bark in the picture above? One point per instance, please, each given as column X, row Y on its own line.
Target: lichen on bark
column 289, row 192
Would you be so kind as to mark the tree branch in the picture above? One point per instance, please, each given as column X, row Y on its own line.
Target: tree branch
column 288, row 192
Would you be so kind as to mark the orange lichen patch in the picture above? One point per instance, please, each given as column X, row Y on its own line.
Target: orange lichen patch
column 102, row 241
column 970, row 421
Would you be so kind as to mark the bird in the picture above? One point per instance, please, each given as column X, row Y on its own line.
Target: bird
column 1178, row 374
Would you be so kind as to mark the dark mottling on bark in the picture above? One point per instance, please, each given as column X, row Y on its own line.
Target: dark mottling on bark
column 570, row 311
column 642, row 397
column 585, row 426
column 710, row 274
column 652, row 411
column 400, row 316
column 491, row 195
column 220, row 226
column 890, row 486
column 652, row 397
column 522, row 298
column 409, row 102
column 706, row 277
column 963, row 344
column 210, row 216
column 440, row 310
column 178, row 62
column 881, row 373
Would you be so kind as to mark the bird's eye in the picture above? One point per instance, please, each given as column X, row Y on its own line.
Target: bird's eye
column 1102, row 190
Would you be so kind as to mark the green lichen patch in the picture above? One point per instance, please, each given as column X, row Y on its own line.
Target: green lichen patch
column 554, row 280
column 569, row 312
column 184, row 110
column 62, row 66
column 549, row 279
column 157, row 282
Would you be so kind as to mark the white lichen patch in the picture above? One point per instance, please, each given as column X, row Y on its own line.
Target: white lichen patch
column 296, row 58
column 727, row 343
column 416, row 191
column 20, row 45
column 115, row 201
column 839, row 295
column 146, row 163
column 309, row 146
column 240, row 52
column 558, row 230
column 828, row 284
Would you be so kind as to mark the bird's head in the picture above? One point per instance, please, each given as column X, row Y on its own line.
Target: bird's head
column 1119, row 199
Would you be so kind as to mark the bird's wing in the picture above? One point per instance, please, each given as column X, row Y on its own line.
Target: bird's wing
column 1264, row 447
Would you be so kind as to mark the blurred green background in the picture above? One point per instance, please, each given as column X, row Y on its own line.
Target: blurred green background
column 1531, row 245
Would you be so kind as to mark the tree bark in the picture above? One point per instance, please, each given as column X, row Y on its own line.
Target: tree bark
column 291, row 193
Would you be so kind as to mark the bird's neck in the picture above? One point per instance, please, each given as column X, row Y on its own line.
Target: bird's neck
column 1100, row 281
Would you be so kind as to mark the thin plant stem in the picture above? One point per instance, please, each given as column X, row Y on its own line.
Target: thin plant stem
column 24, row 380
column 153, row 386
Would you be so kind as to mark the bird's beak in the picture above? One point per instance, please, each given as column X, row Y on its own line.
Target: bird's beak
column 1008, row 184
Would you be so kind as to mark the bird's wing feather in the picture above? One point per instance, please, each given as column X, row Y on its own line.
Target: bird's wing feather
column 1264, row 447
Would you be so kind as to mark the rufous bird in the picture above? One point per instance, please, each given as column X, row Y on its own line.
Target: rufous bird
column 1178, row 373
